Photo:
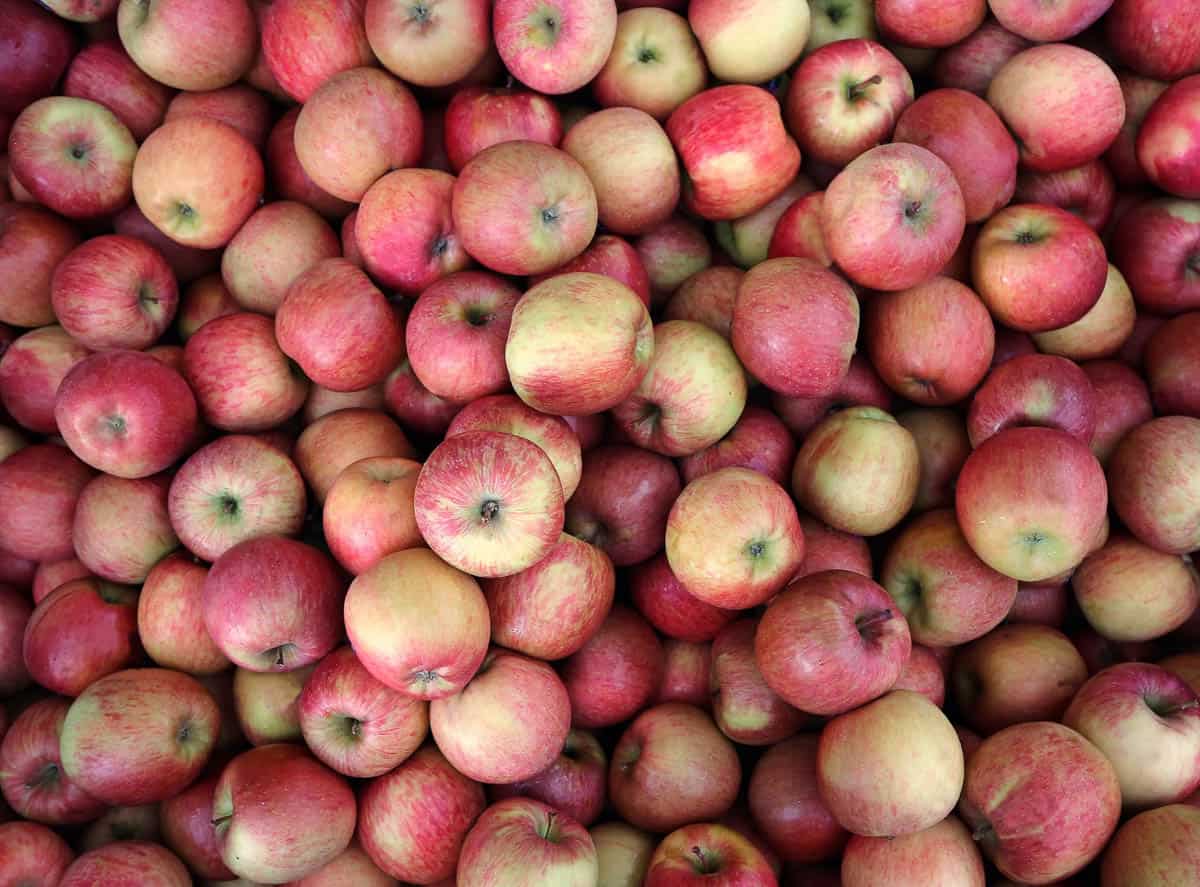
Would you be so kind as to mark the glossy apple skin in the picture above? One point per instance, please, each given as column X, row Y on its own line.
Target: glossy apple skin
column 1041, row 604
column 288, row 178
column 144, row 861
column 266, row 835
column 421, row 411
column 1034, row 389
column 1169, row 354
column 574, row 783
column 1155, row 490
column 661, row 598
column 830, row 549
column 521, row 840
column 32, row 854
column 786, row 804
column 861, row 386
column 1088, row 191
column 1155, row 39
column 188, row 829
column 33, row 241
column 397, row 809
column 304, row 44
column 613, row 257
column 478, row 118
column 746, row 710
column 685, row 673
column 758, row 441
column 47, row 479
column 338, row 440
column 1102, row 331
column 1155, row 244
column 241, row 106
column 972, row 63
column 657, row 85
column 36, row 49
column 368, row 513
column 708, row 853
column 752, row 41
column 708, row 297
column 266, row 704
column 923, row 674
column 672, row 253
column 615, row 673
column 1122, row 403
column 138, row 505
column 1061, row 780
column 1156, row 848
column 623, row 852
column 941, row 854
column 442, row 50
column 31, row 369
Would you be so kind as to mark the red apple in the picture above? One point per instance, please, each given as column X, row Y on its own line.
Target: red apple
column 428, row 47
column 554, row 47
column 973, row 62
column 758, row 441
column 710, row 854
column 797, row 233
column 1087, row 191
column 478, row 118
column 1156, row 245
column 929, row 24
column 47, row 481
column 707, row 297
column 15, row 610
column 323, row 401
column 241, row 106
column 572, row 784
column 340, row 439
column 187, row 46
column 673, row 252
column 745, row 708
column 32, row 854
column 139, row 507
column 146, row 862
column 421, row 411
column 288, row 178
column 1155, row 39
column 1044, row 24
column 188, row 262
column 188, row 829
column 1155, row 848
column 1042, row 604
column 685, row 673
column 170, row 618
column 655, row 64
column 616, row 671
column 136, row 823
column 786, row 804
column 369, row 514
column 612, row 257
column 521, row 840
column 861, row 386
column 1122, row 403
column 1101, row 331
column 1121, row 158
column 1034, row 389
column 1171, row 356
column 828, row 549
column 32, row 243
column 1154, row 483
column 669, row 607
column 31, row 369
column 923, row 674
column 35, row 47
column 103, row 72
column 942, row 853
column 305, row 43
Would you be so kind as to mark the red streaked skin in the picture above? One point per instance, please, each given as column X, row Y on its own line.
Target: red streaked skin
column 1154, row 481
column 369, row 513
column 973, row 62
column 844, row 99
column 241, row 106
column 551, row 46
column 514, row 703
column 31, row 369
column 185, row 50
column 1102, row 332
column 74, row 156
column 322, row 401
column 664, row 601
column 478, row 118
column 615, row 673
column 1155, row 39
column 622, row 502
column 305, row 43
column 32, row 243
column 103, row 72
column 1155, row 849
column 32, row 854
column 274, row 604
column 787, row 807
column 412, row 820
column 707, row 297
column 95, row 620
column 942, row 447
column 1122, row 403
column 573, row 784
column 941, row 854
column 188, row 829
column 1041, row 800
column 828, row 549
column 265, row 703
column 1156, row 245
column 406, row 641
column 674, row 72
column 745, row 708
column 1045, row 604
column 171, row 619
column 930, row 25
column 173, row 717
column 613, row 257
column 268, row 835
column 551, row 609
column 831, row 642
column 351, row 866
column 673, row 252
column 338, row 440
column 139, row 507
column 51, row 574
column 923, row 674
column 47, row 480
column 1087, row 191
column 456, row 333
column 522, row 840
column 188, row 262
column 1171, row 358
column 685, row 673
column 758, row 441
column 1036, row 389
column 797, row 233
column 710, row 854
column 750, row 41
column 288, row 179
column 38, row 47
column 435, row 47
column 205, row 299
column 355, row 723
column 861, row 386
column 734, row 149
column 31, row 774
column 418, row 408
column 1047, row 24
column 1140, row 94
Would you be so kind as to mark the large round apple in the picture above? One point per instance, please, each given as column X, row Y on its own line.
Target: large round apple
column 1155, row 478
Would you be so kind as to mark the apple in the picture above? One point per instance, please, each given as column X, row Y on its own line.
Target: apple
column 351, row 866
column 831, row 641
column 662, row 599
column 753, row 41
column 708, row 853
column 1034, row 389
column 478, row 118
column 833, row 20
column 861, row 386
column 323, row 401
column 1155, row 39
column 188, row 262
column 1155, row 848
column 15, row 610
column 781, row 305
column 554, row 47
column 32, row 243
column 421, row 411
column 1016, row 673
column 1042, row 24
column 32, row 854
column 522, row 840
column 11, row 441
column 1101, row 331
column 428, row 46
column 797, row 233
column 369, row 513
column 828, row 549
column 685, row 673
column 623, row 852
column 288, row 179
column 1041, row 800
column 149, row 863
column 1122, row 403
column 929, row 24
column 36, row 48
column 267, row 835
column 103, row 72
column 944, row 853
column 140, row 508
column 787, row 807
column 31, row 369
column 707, row 297
column 573, row 784
column 265, row 703
column 1153, row 480
column 672, row 252
column 893, row 217
column 844, row 99
column 745, row 708
column 73, row 155
column 31, row 774
column 170, row 618
column 923, row 674
column 340, row 439
column 613, row 257
column 655, row 65
column 187, row 46
column 1121, row 159
column 188, row 830
column 1088, row 191
column 890, row 768
column 1078, row 124
column 47, row 481
column 743, row 170
column 947, row 594
column 1169, row 353
column 615, row 673
column 1156, row 244
column 119, row 824
column 241, row 106
column 672, row 766
column 305, row 43
column 758, row 441
column 1045, row 604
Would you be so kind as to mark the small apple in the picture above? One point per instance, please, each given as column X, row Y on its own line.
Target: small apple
column 47, row 481
column 265, row 703
column 31, row 369
column 140, row 508
column 304, row 43
column 1122, row 404
column 1153, row 849
column 338, row 440
column 521, row 840
column 149, row 863
column 655, row 65
column 1154, row 481
column 710, row 854
column 616, row 671
column 478, row 117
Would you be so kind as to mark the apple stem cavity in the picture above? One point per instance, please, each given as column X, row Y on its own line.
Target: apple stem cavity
column 549, row 829
column 870, row 624
column 45, row 777
column 855, row 91
column 1164, row 709
column 705, row 863
column 489, row 511
column 983, row 832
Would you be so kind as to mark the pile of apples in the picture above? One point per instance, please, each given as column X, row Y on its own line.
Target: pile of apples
column 560, row 443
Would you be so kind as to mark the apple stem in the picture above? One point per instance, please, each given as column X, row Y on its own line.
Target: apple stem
column 982, row 831
column 856, row 90
column 1183, row 706
column 488, row 512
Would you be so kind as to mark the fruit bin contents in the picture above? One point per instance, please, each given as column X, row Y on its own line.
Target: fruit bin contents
column 599, row 443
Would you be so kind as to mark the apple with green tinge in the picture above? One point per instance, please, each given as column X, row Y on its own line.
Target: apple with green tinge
column 351, row 866
column 429, row 44
column 750, row 41
column 1102, row 331
column 1034, row 390
column 369, row 513
column 572, row 784
column 265, row 703
column 655, row 65
column 747, row 710
column 623, row 852
column 170, row 618
column 31, row 369
column 673, row 252
column 187, row 46
column 941, row 854
column 834, row 20
column 553, row 46
column 523, row 841
column 709, row 854
column 139, row 507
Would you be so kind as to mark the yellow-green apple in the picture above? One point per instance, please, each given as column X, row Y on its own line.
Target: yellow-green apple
column 1154, row 849
column 613, row 257
column 334, row 294
column 141, row 861
column 47, row 481
column 323, row 401
column 623, row 853
column 396, row 810
column 1146, row 720
column 388, row 619
column 274, row 604
column 1085, row 91
column 753, row 158
column 708, row 853
column 787, row 807
column 579, row 343
column 1121, row 158
column 1154, row 480
column 551, row 609
column 478, row 117
column 15, row 610
column 573, row 784
column 170, row 618
column 81, row 631
column 238, row 487
column 923, row 674
column 340, row 439
column 75, row 156
column 428, row 44
column 932, row 343
column 655, row 64
column 832, row 641
column 37, row 47
column 32, row 243
column 672, row 766
column 1016, row 673
column 1171, row 356
column 123, row 823
column 744, row 707
column 1155, row 39
column 861, row 386
column 351, row 866
column 1046, row 24
column 750, row 41
column 707, row 297
column 523, row 207
column 893, row 217
column 188, row 262
column 669, row 607
column 139, row 507
column 277, row 244
column 685, row 672
column 869, row 446
column 1045, row 604
column 890, row 768
column 758, row 441
column 781, row 304
column 834, row 20
column 1041, row 801
column 1031, row 502
column 523, row 841
column 552, row 46
column 369, row 514
column 963, row 130
column 733, row 538
column 1034, row 390
column 103, row 72
column 242, row 379
column 615, row 673
column 747, row 240
column 844, row 98
column 369, row 109
column 1088, row 191
column 241, row 106
column 944, row 853
column 672, row 252
column 265, row 834
column 138, row 736
column 828, row 549
column 1122, row 403
column 32, row 779
column 1101, row 331
column 421, row 411
column 1038, row 267
column 1156, row 244
column 947, row 594
column 190, row 45
column 356, row 724
column 289, row 181
column 187, row 829
column 305, row 43
column 797, row 233
column 265, row 703
column 929, row 24
column 31, row 369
